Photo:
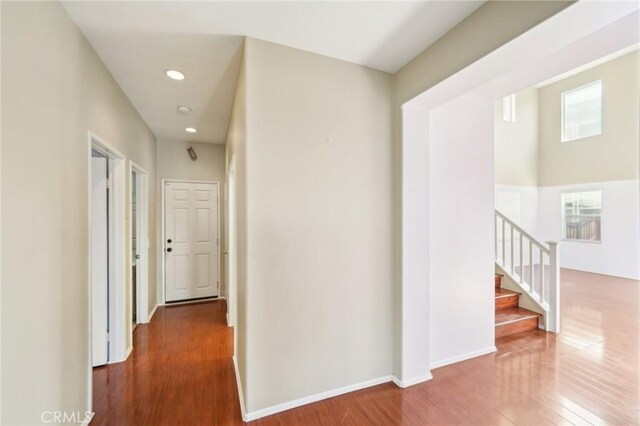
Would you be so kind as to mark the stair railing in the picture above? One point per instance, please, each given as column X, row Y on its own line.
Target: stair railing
column 532, row 265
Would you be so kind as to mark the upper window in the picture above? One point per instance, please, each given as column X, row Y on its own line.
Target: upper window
column 509, row 108
column 582, row 112
column 582, row 215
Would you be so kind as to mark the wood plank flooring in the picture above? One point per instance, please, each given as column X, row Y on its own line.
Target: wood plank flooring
column 181, row 373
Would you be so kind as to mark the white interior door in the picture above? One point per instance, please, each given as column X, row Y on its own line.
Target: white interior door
column 191, row 240
column 99, row 262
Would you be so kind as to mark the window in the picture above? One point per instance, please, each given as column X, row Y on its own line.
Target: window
column 509, row 108
column 581, row 216
column 582, row 112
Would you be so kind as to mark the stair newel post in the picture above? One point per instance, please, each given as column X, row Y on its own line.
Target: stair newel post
column 553, row 318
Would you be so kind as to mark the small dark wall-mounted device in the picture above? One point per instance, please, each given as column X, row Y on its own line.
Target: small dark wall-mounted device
column 192, row 153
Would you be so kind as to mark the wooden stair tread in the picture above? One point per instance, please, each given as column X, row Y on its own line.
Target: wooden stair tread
column 503, row 292
column 509, row 315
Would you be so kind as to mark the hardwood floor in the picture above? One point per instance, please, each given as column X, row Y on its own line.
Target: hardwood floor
column 181, row 373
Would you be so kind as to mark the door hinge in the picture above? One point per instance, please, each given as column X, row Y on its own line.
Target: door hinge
column 108, row 337
column 108, row 184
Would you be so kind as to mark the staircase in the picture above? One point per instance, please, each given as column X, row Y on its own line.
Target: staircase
column 510, row 318
column 534, row 268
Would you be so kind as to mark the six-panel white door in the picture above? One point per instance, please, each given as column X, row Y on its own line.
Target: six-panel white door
column 191, row 245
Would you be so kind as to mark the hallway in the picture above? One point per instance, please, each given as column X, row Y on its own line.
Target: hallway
column 181, row 373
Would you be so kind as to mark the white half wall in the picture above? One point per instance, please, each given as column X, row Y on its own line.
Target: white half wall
column 619, row 252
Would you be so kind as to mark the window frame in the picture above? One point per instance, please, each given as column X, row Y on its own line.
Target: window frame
column 563, row 139
column 563, row 219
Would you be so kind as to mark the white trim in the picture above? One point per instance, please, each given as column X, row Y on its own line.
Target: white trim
column 117, row 286
column 153, row 311
column 239, row 386
column 227, row 318
column 463, row 357
column 315, row 398
column 413, row 381
column 161, row 248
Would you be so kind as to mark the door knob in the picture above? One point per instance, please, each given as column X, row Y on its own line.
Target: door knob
column 169, row 249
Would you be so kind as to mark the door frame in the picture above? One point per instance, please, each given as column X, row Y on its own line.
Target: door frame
column 230, row 245
column 142, row 238
column 161, row 246
column 117, row 274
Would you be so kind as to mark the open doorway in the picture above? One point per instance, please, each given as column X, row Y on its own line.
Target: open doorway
column 139, row 244
column 106, row 277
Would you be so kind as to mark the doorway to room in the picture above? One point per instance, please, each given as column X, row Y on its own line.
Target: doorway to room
column 107, row 315
column 139, row 245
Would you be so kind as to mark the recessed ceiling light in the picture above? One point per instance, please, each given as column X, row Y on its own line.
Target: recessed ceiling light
column 190, row 130
column 184, row 109
column 175, row 74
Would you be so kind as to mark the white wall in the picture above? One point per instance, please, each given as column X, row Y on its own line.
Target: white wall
column 528, row 217
column 461, row 230
column 54, row 89
column 319, row 191
column 619, row 252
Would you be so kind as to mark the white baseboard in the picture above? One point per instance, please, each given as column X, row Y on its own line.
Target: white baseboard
column 463, row 357
column 412, row 381
column 314, row 398
column 129, row 350
column 240, row 395
column 153, row 311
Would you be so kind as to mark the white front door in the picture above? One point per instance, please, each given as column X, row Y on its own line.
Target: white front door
column 191, row 245
column 99, row 262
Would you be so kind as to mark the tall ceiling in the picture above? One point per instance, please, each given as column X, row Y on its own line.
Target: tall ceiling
column 138, row 41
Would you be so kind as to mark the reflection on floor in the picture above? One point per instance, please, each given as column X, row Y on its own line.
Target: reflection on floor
column 181, row 373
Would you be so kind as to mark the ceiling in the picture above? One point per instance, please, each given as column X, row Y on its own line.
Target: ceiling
column 138, row 41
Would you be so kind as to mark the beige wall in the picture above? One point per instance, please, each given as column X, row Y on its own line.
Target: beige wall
column 54, row 89
column 614, row 154
column 173, row 162
column 489, row 27
column 516, row 144
column 319, row 192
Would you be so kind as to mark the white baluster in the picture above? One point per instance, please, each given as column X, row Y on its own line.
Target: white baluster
column 553, row 316
column 511, row 249
column 531, row 286
column 521, row 260
column 504, row 244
